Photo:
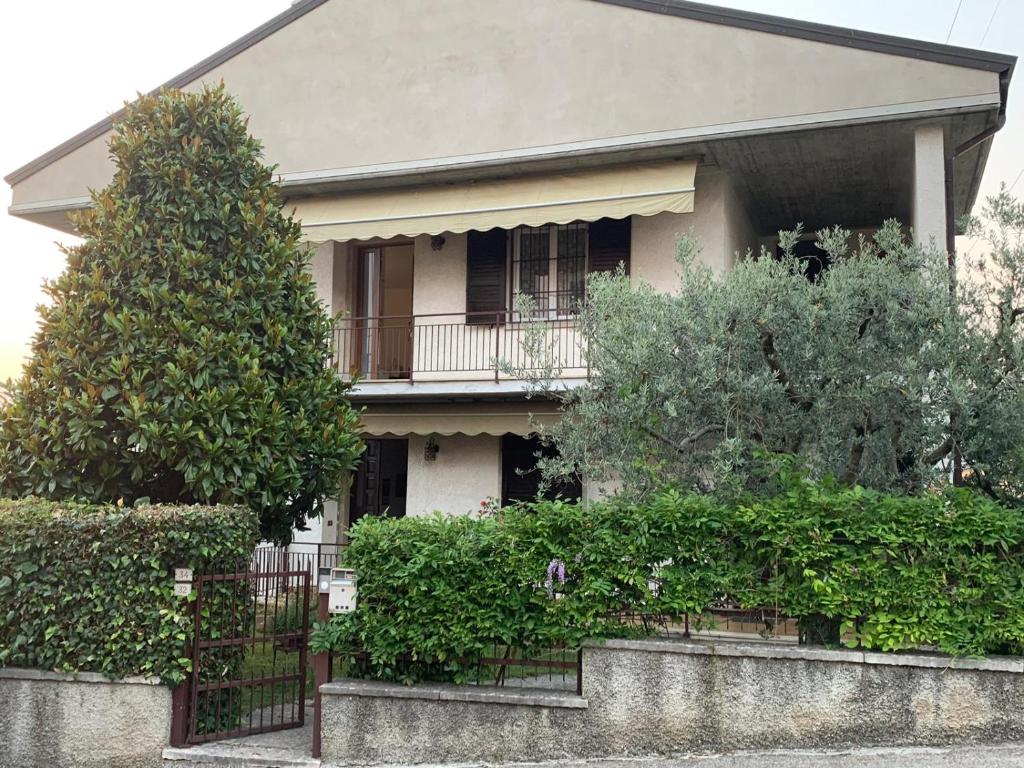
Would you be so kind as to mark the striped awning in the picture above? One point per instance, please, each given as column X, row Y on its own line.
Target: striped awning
column 482, row 419
column 642, row 189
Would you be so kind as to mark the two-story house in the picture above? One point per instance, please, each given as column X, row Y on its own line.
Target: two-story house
column 444, row 156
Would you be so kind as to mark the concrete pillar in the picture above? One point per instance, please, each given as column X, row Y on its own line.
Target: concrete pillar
column 930, row 185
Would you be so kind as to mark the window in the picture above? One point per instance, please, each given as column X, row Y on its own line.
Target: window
column 549, row 264
column 520, row 478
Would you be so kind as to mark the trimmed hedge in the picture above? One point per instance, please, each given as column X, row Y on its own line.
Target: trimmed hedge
column 91, row 588
column 891, row 572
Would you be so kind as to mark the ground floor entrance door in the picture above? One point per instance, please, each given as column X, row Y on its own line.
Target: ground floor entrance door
column 381, row 480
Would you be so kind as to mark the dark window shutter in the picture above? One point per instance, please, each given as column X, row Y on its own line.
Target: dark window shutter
column 609, row 244
column 520, row 478
column 486, row 254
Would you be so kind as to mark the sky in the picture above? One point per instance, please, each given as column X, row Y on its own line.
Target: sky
column 64, row 64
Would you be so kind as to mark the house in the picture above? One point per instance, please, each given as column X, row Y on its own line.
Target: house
column 444, row 156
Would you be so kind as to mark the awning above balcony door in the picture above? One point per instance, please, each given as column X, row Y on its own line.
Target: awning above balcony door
column 475, row 419
column 642, row 189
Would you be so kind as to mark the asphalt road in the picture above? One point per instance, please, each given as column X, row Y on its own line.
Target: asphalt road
column 958, row 757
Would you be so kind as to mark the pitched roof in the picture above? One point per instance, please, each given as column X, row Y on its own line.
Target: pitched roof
column 832, row 35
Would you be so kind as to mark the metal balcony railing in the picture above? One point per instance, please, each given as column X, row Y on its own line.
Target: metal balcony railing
column 453, row 346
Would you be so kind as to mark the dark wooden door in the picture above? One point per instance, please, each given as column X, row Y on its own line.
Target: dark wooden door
column 381, row 480
column 365, row 498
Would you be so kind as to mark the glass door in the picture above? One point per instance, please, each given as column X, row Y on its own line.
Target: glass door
column 386, row 301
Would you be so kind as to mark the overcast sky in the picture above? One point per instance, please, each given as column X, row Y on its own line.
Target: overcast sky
column 65, row 64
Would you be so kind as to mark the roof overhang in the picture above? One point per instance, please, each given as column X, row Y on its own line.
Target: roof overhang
column 826, row 33
column 617, row 147
column 832, row 35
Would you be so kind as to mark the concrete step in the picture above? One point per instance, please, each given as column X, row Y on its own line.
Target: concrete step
column 282, row 750
column 234, row 755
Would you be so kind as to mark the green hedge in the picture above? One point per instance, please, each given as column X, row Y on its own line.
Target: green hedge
column 91, row 588
column 891, row 572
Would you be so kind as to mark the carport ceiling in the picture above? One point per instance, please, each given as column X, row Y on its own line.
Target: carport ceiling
column 854, row 176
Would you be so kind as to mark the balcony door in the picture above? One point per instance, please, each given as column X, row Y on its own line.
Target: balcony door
column 385, row 301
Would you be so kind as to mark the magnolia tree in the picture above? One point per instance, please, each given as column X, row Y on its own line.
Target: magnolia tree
column 183, row 357
column 884, row 371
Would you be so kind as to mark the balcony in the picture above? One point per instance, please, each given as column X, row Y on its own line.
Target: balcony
column 454, row 347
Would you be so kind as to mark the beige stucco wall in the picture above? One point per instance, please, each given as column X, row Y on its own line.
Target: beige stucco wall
column 739, row 237
column 465, row 471
column 439, row 279
column 360, row 82
column 321, row 267
column 719, row 222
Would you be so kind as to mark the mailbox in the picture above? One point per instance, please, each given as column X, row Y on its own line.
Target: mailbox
column 342, row 594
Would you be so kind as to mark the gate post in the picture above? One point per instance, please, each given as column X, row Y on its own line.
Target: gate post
column 321, row 661
column 179, row 714
column 181, row 694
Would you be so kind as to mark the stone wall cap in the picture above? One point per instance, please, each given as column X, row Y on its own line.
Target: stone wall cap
column 19, row 673
column 769, row 650
column 526, row 697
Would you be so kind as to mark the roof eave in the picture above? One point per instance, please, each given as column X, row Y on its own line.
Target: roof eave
column 295, row 11
column 899, row 46
column 826, row 33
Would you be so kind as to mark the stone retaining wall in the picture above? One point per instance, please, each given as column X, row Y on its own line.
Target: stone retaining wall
column 370, row 722
column 80, row 721
column 664, row 696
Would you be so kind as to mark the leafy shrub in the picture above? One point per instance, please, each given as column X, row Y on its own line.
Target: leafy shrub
column 183, row 357
column 91, row 588
column 894, row 572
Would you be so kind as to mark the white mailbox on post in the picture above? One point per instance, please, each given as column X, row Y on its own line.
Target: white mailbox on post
column 342, row 595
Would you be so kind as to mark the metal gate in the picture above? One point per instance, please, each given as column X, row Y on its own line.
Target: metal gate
column 249, row 656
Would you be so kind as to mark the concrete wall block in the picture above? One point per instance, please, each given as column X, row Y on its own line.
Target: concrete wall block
column 49, row 719
column 659, row 696
column 365, row 729
column 729, row 696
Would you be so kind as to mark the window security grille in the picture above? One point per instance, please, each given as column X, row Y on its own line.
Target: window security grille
column 549, row 264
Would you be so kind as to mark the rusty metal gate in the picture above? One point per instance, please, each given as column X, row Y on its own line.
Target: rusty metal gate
column 249, row 655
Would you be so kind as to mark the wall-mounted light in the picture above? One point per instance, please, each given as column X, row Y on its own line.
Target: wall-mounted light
column 436, row 242
column 430, row 450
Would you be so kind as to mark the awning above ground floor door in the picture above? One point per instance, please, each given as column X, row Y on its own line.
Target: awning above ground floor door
column 641, row 189
column 470, row 419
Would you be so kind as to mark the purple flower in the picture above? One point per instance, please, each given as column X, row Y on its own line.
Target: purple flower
column 556, row 568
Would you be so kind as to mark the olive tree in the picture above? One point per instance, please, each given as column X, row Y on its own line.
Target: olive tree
column 885, row 370
column 183, row 357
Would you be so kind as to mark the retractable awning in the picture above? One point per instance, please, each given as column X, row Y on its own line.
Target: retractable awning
column 642, row 189
column 480, row 420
